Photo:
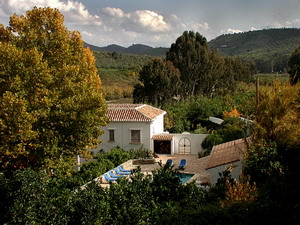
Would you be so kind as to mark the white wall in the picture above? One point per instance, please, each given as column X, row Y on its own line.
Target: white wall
column 148, row 129
column 214, row 172
column 123, row 136
column 157, row 126
column 196, row 141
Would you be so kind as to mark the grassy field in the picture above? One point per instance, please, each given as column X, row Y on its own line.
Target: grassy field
column 118, row 84
column 268, row 78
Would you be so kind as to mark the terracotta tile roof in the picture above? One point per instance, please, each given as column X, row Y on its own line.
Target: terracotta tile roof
column 132, row 113
column 226, row 153
column 162, row 137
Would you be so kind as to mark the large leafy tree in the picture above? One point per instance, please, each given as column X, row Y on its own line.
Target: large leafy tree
column 160, row 81
column 190, row 54
column 294, row 66
column 203, row 71
column 51, row 99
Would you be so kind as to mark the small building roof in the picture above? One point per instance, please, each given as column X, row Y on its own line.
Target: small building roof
column 163, row 137
column 132, row 113
column 216, row 120
column 227, row 153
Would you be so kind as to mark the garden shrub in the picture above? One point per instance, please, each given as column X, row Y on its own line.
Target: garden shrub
column 210, row 141
column 232, row 129
column 91, row 170
column 116, row 155
column 140, row 153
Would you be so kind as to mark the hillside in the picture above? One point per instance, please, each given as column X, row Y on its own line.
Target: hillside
column 136, row 49
column 119, row 72
column 268, row 49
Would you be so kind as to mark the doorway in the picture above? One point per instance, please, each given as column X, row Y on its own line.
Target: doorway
column 184, row 146
column 162, row 147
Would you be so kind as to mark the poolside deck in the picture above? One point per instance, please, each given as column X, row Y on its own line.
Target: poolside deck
column 194, row 165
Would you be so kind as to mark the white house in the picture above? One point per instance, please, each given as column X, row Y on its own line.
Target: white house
column 223, row 156
column 134, row 125
column 131, row 126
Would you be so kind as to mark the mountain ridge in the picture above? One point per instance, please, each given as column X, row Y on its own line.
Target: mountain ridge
column 135, row 49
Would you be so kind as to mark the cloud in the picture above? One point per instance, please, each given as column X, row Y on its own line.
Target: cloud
column 233, row 31
column 140, row 25
column 87, row 34
column 74, row 11
column 141, row 21
column 282, row 23
column 149, row 20
column 114, row 12
column 113, row 25
column 292, row 23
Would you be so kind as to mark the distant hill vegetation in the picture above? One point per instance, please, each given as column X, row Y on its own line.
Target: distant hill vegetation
column 268, row 49
column 136, row 49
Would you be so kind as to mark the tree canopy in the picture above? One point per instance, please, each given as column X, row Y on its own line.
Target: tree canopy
column 51, row 99
column 190, row 54
column 160, row 82
column 200, row 72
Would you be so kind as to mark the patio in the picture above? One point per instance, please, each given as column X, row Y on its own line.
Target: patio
column 194, row 165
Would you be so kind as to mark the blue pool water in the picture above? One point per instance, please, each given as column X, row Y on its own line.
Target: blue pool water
column 184, row 177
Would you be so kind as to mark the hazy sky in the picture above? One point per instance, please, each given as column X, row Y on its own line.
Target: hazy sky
column 160, row 22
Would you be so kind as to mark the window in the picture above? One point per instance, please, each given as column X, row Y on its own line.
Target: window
column 135, row 136
column 111, row 135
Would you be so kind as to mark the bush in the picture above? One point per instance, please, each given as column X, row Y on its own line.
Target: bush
column 116, row 155
column 91, row 170
column 210, row 141
column 38, row 199
column 200, row 129
column 140, row 153
column 232, row 129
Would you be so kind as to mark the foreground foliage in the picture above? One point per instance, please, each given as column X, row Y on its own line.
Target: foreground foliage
column 274, row 159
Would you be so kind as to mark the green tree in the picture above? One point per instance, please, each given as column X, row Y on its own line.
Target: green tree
column 116, row 155
column 213, row 80
column 91, row 170
column 160, row 82
column 294, row 66
column 236, row 70
column 190, row 54
column 51, row 99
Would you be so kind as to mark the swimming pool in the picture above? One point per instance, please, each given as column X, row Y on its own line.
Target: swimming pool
column 184, row 177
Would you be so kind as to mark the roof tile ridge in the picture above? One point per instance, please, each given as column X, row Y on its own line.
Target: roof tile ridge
column 141, row 106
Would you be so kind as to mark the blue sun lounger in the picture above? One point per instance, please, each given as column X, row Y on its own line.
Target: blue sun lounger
column 182, row 164
column 113, row 175
column 109, row 179
column 123, row 170
column 118, row 172
column 170, row 162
